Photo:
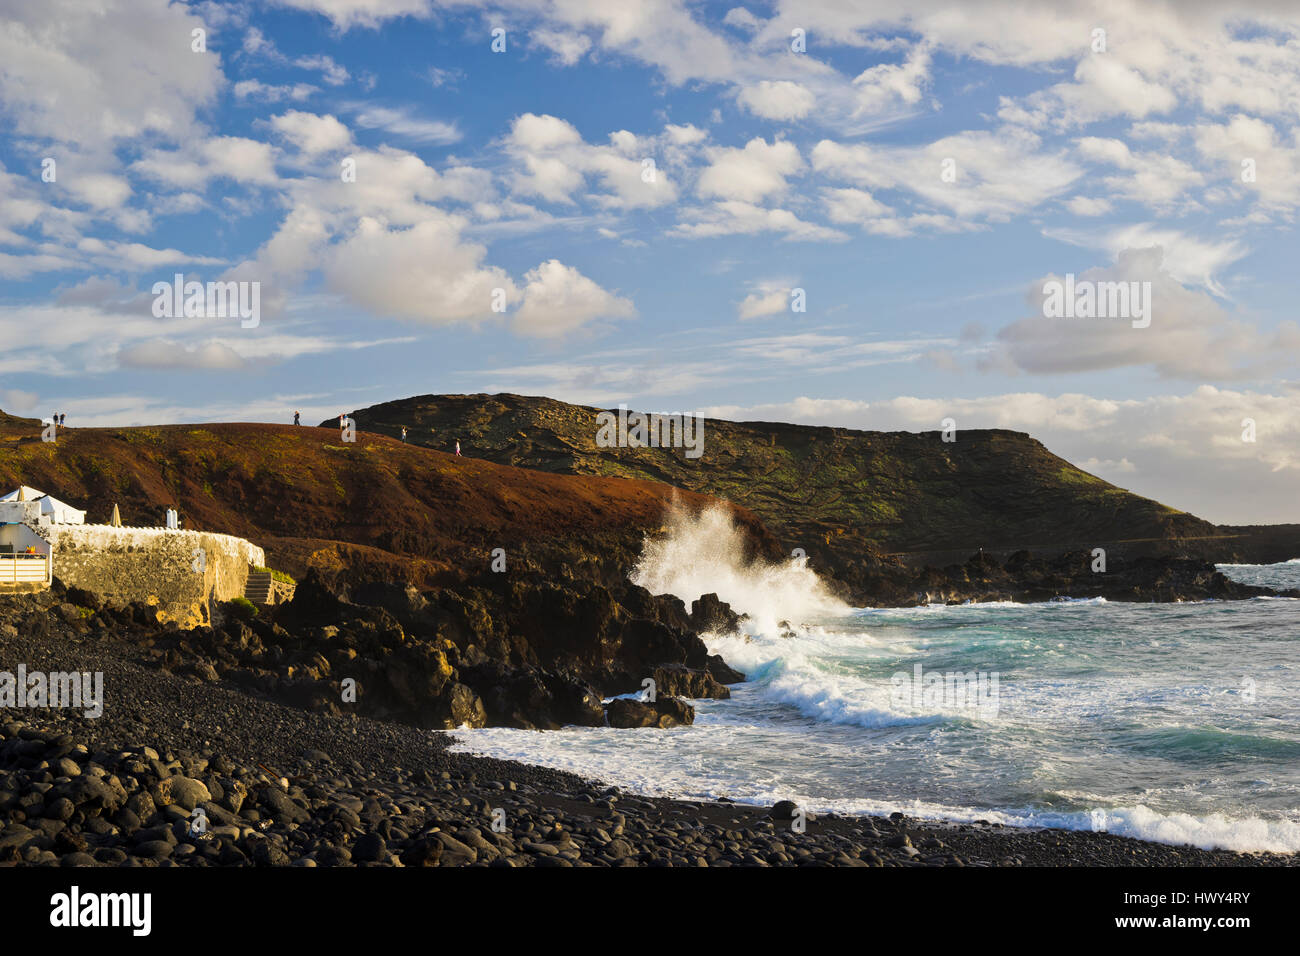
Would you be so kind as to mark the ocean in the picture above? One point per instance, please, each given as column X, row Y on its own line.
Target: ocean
column 1178, row 723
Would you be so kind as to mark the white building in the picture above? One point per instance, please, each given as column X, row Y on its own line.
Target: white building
column 52, row 510
column 25, row 556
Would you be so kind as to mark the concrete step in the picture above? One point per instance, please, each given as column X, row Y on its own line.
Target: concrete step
column 259, row 587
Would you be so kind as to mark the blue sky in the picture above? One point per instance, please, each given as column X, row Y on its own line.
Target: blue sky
column 774, row 169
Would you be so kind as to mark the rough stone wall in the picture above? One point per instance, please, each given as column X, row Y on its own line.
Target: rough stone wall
column 154, row 565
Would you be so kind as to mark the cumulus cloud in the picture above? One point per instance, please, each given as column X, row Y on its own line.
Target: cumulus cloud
column 888, row 85
column 1190, row 336
column 558, row 299
column 566, row 47
column 553, row 162
column 88, row 75
column 771, row 297
column 311, row 133
column 777, row 100
column 235, row 158
column 749, row 174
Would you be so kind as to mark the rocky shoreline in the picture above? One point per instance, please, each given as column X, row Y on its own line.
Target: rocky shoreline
column 1029, row 578
column 242, row 726
column 280, row 786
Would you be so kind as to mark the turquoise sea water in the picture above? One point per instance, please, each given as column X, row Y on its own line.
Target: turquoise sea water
column 1171, row 722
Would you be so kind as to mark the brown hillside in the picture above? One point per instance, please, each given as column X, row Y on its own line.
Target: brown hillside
column 377, row 508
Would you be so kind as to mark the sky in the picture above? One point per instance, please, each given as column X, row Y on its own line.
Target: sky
column 821, row 212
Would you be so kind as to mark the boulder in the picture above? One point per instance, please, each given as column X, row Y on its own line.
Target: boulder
column 663, row 712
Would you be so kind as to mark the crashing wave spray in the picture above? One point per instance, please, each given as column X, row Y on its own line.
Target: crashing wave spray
column 705, row 553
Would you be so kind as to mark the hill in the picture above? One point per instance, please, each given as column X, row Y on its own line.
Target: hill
column 373, row 509
column 851, row 499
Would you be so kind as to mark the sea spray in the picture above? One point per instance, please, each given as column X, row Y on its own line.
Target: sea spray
column 705, row 553
column 1100, row 725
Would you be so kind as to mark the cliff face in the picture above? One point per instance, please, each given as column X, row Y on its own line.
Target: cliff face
column 851, row 499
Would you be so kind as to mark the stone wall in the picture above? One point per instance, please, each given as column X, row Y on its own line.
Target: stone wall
column 182, row 572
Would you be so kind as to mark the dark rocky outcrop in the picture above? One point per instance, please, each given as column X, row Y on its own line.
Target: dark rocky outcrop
column 526, row 653
column 1027, row 577
column 662, row 712
column 678, row 681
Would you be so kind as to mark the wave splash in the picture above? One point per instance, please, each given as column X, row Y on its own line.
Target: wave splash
column 705, row 553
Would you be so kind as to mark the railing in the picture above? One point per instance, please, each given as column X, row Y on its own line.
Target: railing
column 24, row 569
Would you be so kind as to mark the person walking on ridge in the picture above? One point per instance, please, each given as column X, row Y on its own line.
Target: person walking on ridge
column 457, row 446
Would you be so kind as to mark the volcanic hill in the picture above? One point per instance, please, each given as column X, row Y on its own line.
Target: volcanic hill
column 375, row 509
column 851, row 499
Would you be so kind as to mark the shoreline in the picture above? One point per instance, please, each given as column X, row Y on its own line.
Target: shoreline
column 361, row 791
column 980, row 834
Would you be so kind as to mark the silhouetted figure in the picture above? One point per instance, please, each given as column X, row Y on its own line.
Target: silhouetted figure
column 297, row 419
column 62, row 416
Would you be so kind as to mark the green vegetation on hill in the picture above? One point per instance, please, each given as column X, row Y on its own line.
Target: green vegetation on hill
column 842, row 493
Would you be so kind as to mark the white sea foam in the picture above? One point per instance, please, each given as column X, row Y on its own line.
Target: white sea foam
column 675, row 764
column 704, row 553
column 1088, row 688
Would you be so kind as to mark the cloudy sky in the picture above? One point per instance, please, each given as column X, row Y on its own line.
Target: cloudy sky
column 621, row 202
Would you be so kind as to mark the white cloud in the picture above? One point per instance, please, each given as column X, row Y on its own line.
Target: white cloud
column 771, row 297
column 312, row 134
column 552, row 161
column 363, row 13
column 163, row 354
column 732, row 218
column 257, row 90
column 401, row 123
column 1187, row 259
column 853, row 205
column 89, row 74
column 1190, row 336
column 751, row 174
column 888, row 86
column 426, row 272
column 1088, row 206
column 559, row 299
column 568, row 47
column 331, row 73
column 1154, row 179
column 234, row 158
column 777, row 100
column 993, row 176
